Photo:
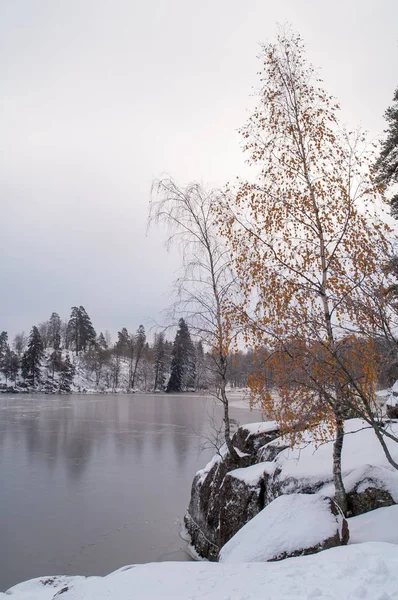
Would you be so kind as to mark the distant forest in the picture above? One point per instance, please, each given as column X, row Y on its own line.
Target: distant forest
column 63, row 356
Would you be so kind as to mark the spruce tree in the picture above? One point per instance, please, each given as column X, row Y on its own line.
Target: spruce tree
column 31, row 360
column 183, row 371
column 387, row 163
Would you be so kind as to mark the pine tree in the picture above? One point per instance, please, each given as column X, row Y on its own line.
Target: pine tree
column 123, row 341
column 183, row 371
column 387, row 163
column 73, row 330
column 80, row 333
column 88, row 334
column 54, row 331
column 31, row 360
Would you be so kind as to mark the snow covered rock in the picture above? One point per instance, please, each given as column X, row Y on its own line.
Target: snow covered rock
column 369, row 480
column 241, row 498
column 293, row 525
column 225, row 497
column 249, row 438
column 203, row 515
column 219, row 506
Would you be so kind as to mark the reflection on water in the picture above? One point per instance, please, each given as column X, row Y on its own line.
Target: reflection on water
column 90, row 483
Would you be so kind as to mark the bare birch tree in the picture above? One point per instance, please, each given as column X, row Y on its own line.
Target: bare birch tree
column 207, row 281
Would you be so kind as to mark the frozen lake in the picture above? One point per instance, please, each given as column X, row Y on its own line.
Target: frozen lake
column 93, row 482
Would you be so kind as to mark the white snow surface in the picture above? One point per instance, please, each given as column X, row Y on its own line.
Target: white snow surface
column 361, row 447
column 263, row 427
column 392, row 400
column 360, row 571
column 288, row 524
column 252, row 475
column 379, row 525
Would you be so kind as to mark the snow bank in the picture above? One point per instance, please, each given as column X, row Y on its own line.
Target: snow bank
column 287, row 525
column 360, row 571
column 379, row 525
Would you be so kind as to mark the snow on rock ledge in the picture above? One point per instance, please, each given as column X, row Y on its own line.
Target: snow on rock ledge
column 293, row 525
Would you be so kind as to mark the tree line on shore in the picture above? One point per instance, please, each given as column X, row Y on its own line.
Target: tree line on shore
column 50, row 357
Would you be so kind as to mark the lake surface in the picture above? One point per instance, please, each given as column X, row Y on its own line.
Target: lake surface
column 89, row 483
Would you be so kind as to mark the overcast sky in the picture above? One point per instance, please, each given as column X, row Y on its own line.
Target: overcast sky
column 98, row 97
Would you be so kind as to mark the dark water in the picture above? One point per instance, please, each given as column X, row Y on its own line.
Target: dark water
column 91, row 483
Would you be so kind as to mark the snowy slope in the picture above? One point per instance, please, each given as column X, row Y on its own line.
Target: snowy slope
column 360, row 571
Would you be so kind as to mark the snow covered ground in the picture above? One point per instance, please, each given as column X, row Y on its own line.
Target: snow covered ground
column 379, row 525
column 367, row 570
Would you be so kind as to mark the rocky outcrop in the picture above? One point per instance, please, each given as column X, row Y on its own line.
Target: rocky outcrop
column 222, row 501
column 292, row 525
column 203, row 516
column 225, row 495
column 250, row 438
column 242, row 496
